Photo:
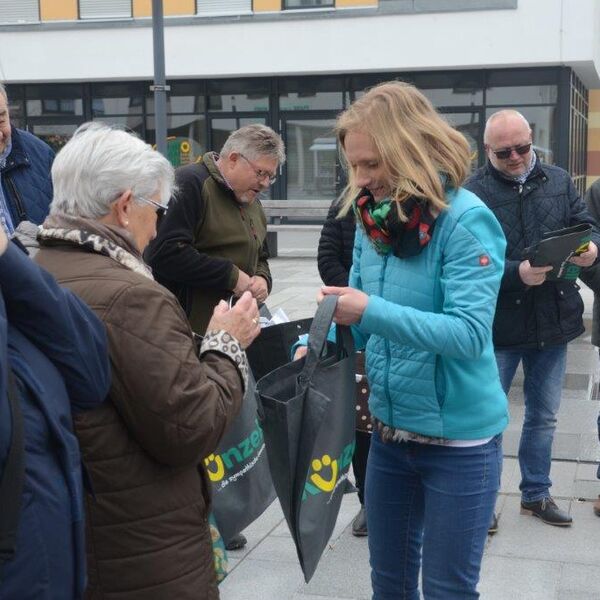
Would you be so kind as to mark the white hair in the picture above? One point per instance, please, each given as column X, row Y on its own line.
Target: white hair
column 254, row 141
column 3, row 91
column 101, row 162
column 503, row 114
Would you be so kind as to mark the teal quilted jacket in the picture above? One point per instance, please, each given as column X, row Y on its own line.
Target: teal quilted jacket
column 428, row 326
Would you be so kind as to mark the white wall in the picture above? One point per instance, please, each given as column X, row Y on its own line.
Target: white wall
column 539, row 32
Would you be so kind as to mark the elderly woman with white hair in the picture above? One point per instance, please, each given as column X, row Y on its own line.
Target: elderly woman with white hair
column 147, row 530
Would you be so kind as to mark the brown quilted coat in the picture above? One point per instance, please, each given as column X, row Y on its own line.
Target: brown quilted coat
column 147, row 532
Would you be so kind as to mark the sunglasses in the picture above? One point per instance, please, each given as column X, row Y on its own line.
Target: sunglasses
column 506, row 152
column 161, row 209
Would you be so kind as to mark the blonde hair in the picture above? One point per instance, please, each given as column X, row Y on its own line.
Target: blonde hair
column 420, row 151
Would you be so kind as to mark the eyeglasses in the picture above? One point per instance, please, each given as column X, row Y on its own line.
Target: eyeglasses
column 506, row 152
column 161, row 209
column 260, row 174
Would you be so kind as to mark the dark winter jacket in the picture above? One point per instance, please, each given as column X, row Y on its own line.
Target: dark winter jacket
column 334, row 256
column 591, row 276
column 26, row 180
column 551, row 313
column 56, row 348
column 206, row 237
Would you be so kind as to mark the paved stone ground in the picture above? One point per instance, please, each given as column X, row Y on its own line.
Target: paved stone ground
column 525, row 560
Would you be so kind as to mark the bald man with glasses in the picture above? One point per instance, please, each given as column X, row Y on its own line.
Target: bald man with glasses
column 535, row 318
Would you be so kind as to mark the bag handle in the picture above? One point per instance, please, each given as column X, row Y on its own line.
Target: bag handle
column 317, row 336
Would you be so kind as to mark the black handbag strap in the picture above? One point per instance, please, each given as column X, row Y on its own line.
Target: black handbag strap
column 11, row 485
column 317, row 336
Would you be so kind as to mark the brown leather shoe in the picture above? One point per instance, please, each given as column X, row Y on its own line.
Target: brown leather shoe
column 597, row 507
column 546, row 510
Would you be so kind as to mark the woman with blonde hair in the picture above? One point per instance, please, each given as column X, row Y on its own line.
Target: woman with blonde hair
column 428, row 258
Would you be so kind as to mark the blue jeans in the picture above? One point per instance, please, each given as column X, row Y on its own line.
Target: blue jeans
column 544, row 372
column 434, row 500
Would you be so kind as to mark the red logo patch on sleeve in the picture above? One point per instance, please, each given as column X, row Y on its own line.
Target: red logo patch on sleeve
column 484, row 260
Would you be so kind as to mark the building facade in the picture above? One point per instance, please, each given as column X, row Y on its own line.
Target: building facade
column 295, row 64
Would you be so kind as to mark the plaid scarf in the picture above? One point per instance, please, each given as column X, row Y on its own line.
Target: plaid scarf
column 387, row 233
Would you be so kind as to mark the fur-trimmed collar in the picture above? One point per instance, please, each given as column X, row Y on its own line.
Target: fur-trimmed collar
column 109, row 240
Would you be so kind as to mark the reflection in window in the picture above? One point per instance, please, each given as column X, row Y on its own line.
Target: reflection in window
column 468, row 124
column 311, row 101
column 522, row 94
column 239, row 103
column 311, row 159
column 54, row 107
column 186, row 140
column 56, row 136
column 133, row 123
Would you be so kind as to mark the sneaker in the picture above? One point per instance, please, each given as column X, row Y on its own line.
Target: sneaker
column 597, row 507
column 493, row 528
column 546, row 510
column 237, row 542
column 359, row 525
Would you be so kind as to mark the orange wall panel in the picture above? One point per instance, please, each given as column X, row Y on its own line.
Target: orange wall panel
column 58, row 10
column 346, row 3
column 266, row 5
column 171, row 8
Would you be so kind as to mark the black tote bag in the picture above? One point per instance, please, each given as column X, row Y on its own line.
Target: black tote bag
column 271, row 349
column 238, row 470
column 307, row 413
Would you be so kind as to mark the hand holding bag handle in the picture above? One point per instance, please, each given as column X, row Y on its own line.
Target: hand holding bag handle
column 317, row 338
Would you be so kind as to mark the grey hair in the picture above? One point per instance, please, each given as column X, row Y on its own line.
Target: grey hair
column 101, row 162
column 254, row 141
column 3, row 91
column 502, row 114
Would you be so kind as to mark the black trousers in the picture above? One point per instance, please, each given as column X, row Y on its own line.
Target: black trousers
column 359, row 462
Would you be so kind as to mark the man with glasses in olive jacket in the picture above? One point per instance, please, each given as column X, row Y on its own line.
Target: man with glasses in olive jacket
column 535, row 318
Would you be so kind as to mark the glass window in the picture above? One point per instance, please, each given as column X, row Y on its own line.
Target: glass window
column 234, row 95
column 468, row 124
column 186, row 137
column 524, row 94
column 307, row 3
column 54, row 100
column 182, row 98
column 117, row 99
column 311, row 159
column 541, row 119
column 133, row 123
column 311, row 94
column 15, row 105
column 55, row 135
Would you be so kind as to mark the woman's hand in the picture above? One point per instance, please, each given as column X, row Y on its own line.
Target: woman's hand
column 241, row 321
column 300, row 352
column 350, row 306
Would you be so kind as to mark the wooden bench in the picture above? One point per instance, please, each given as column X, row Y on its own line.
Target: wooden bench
column 279, row 212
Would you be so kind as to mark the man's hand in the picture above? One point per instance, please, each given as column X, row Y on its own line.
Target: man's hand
column 533, row 275
column 3, row 241
column 350, row 306
column 259, row 288
column 587, row 258
column 241, row 321
column 243, row 283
